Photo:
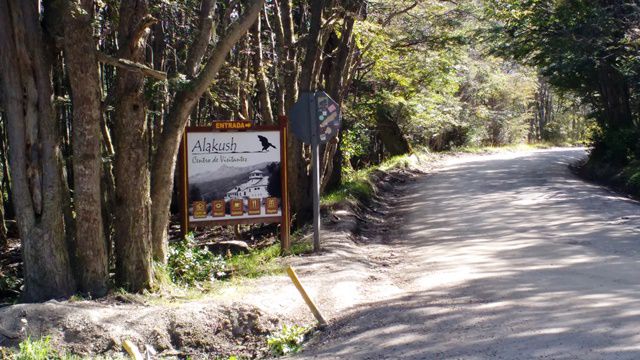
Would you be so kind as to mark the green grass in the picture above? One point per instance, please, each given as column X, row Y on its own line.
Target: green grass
column 41, row 349
column 256, row 263
column 358, row 185
column 264, row 261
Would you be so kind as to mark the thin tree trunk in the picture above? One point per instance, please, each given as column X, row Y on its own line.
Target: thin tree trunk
column 291, row 70
column 297, row 166
column 243, row 84
column 199, row 47
column 277, row 37
column 332, row 168
column 90, row 246
column 3, row 229
column 261, row 79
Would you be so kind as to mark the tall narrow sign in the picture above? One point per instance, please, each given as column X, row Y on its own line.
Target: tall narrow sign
column 232, row 174
column 315, row 119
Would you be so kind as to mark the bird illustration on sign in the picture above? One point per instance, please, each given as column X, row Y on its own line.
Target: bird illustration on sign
column 265, row 143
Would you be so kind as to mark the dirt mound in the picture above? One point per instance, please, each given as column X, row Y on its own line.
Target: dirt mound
column 200, row 330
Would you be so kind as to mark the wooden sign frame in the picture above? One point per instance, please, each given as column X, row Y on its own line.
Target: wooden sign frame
column 236, row 126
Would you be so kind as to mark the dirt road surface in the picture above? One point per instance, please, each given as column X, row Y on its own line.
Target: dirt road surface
column 505, row 256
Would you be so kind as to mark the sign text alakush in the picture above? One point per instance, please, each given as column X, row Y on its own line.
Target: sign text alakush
column 234, row 173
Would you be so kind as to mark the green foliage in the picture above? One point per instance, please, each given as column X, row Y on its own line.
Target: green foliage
column 189, row 264
column 10, row 284
column 256, row 263
column 631, row 177
column 445, row 89
column 288, row 340
column 587, row 47
column 39, row 349
column 358, row 185
column 264, row 261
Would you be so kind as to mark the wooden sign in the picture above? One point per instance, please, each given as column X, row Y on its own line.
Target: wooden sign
column 232, row 125
column 218, row 208
column 272, row 205
column 237, row 207
column 255, row 206
column 199, row 209
column 234, row 173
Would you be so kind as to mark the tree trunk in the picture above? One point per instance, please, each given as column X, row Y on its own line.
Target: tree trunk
column 3, row 228
column 205, row 29
column 291, row 71
column 614, row 90
column 337, row 88
column 133, row 202
column 4, row 239
column 261, row 79
column 90, row 246
column 35, row 155
column 243, row 84
column 390, row 133
column 300, row 200
column 279, row 54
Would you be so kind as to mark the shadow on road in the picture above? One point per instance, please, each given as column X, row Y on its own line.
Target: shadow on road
column 508, row 257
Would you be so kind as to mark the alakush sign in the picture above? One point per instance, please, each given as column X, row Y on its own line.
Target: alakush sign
column 233, row 173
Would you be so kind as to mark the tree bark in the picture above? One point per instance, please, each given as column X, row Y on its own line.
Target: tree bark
column 164, row 163
column 205, row 29
column 35, row 155
column 261, row 79
column 90, row 246
column 614, row 90
column 300, row 199
column 243, row 84
column 133, row 203
column 337, row 88
column 390, row 133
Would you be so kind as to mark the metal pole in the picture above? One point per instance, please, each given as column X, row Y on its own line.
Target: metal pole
column 315, row 171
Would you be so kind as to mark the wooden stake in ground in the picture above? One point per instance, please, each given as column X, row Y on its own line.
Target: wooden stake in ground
column 305, row 296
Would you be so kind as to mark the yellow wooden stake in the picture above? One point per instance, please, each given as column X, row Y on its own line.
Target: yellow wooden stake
column 305, row 296
column 132, row 349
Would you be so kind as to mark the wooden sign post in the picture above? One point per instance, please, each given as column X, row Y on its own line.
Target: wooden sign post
column 234, row 173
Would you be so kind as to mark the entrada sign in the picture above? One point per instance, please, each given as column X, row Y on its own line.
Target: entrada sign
column 234, row 173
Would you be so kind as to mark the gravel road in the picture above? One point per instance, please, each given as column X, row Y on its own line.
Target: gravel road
column 505, row 256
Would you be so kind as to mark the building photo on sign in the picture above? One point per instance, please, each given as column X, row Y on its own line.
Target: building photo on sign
column 233, row 175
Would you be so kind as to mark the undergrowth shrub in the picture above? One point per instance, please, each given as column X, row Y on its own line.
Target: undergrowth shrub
column 189, row 264
column 9, row 285
column 288, row 340
column 37, row 349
